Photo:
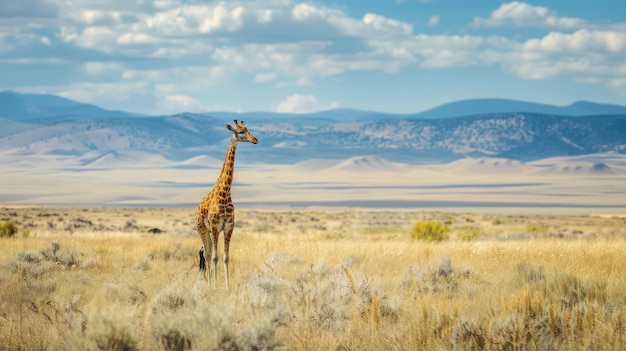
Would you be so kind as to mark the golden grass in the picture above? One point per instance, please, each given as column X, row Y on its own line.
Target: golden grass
column 343, row 280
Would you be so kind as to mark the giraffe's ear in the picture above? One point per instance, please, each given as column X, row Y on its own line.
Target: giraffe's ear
column 229, row 127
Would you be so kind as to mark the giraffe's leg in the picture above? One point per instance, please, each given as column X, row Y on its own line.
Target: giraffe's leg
column 228, row 231
column 203, row 254
column 202, row 260
column 206, row 255
column 215, row 236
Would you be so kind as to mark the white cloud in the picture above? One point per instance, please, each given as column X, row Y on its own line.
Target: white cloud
column 96, row 17
column 97, row 37
column 36, row 60
column 386, row 26
column 263, row 77
column 583, row 41
column 92, row 91
column 591, row 57
column 28, row 9
column 178, row 103
column 433, row 20
column 95, row 68
column 525, row 15
column 302, row 104
column 221, row 18
column 135, row 39
column 168, row 45
column 618, row 84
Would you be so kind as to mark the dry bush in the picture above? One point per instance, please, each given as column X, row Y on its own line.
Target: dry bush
column 177, row 252
column 306, row 291
column 318, row 299
column 32, row 265
column 106, row 330
column 7, row 229
column 468, row 234
column 178, row 321
column 439, row 277
column 430, row 231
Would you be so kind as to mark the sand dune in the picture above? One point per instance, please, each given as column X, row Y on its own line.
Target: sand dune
column 589, row 165
column 562, row 185
column 199, row 162
column 367, row 163
column 610, row 158
column 314, row 165
column 581, row 168
column 488, row 165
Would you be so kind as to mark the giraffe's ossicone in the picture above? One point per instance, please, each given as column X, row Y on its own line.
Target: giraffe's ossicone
column 216, row 212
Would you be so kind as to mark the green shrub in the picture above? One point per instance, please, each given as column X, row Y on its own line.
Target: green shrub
column 7, row 229
column 430, row 231
column 536, row 228
column 448, row 220
column 468, row 234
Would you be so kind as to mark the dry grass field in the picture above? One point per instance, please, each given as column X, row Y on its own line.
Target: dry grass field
column 127, row 279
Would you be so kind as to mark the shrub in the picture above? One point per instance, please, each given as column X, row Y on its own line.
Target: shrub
column 262, row 227
column 430, row 231
column 112, row 332
column 527, row 274
column 53, row 253
column 468, row 234
column 536, row 229
column 7, row 229
column 448, row 220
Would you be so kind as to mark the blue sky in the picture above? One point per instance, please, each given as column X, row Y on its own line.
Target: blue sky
column 398, row 56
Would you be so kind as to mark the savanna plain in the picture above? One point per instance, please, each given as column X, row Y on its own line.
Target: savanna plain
column 343, row 279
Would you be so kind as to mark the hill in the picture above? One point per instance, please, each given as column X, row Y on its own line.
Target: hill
column 23, row 107
column 490, row 106
column 288, row 139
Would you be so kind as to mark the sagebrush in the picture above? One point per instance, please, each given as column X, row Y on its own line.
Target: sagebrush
column 304, row 289
column 430, row 231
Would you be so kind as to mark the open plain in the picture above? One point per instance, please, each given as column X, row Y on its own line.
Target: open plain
column 82, row 278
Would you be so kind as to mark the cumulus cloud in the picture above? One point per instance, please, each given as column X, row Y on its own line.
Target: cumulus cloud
column 586, row 56
column 99, row 91
column 28, row 9
column 433, row 20
column 96, row 68
column 386, row 26
column 302, row 104
column 163, row 45
column 96, row 17
column 582, row 41
column 525, row 15
column 177, row 103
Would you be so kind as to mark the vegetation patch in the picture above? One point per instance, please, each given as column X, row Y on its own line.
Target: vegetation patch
column 468, row 234
column 7, row 229
column 430, row 231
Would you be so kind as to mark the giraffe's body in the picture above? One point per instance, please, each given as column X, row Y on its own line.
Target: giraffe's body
column 216, row 212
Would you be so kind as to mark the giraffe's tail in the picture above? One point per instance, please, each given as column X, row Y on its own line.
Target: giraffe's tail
column 202, row 260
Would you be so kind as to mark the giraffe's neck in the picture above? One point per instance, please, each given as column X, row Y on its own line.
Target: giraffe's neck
column 225, row 179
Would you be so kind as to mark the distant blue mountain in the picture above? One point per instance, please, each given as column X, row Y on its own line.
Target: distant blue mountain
column 23, row 107
column 588, row 108
column 50, row 125
column 335, row 115
column 488, row 106
column 29, row 107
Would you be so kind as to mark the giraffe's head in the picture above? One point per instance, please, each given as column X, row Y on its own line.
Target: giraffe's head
column 241, row 133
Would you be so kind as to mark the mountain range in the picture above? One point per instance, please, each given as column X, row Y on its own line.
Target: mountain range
column 40, row 124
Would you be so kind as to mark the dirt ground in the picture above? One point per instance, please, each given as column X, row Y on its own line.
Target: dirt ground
column 365, row 223
column 344, row 279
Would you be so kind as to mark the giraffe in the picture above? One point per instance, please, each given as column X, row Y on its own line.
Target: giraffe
column 216, row 212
